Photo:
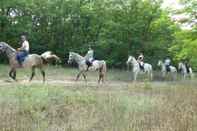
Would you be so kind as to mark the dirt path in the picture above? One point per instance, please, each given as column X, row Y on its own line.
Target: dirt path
column 72, row 83
column 66, row 83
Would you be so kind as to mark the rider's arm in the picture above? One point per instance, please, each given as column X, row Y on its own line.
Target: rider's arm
column 25, row 46
column 22, row 47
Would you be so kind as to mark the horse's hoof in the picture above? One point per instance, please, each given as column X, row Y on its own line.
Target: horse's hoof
column 9, row 81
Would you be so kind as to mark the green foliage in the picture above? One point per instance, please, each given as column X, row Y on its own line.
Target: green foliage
column 114, row 28
column 185, row 47
column 185, row 43
column 190, row 8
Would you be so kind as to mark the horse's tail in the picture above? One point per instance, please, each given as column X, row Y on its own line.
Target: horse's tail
column 191, row 73
column 190, row 70
column 103, row 68
column 49, row 56
column 151, row 72
column 44, row 60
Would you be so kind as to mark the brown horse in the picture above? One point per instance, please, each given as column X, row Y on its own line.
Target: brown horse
column 32, row 61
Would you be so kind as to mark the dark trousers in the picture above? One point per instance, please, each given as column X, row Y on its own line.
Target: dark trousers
column 187, row 67
column 142, row 67
column 20, row 56
column 168, row 68
column 88, row 63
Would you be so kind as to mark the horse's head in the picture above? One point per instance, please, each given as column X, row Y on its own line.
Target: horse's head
column 3, row 47
column 71, row 57
column 75, row 57
column 130, row 59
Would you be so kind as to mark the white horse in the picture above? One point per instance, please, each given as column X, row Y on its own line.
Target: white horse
column 136, row 68
column 182, row 67
column 173, row 70
column 97, row 65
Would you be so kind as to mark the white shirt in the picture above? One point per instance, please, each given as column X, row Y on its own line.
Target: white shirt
column 167, row 62
column 25, row 45
column 89, row 55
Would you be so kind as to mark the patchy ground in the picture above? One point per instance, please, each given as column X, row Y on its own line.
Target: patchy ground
column 117, row 105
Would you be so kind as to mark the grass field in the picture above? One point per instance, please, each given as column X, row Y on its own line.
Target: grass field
column 118, row 105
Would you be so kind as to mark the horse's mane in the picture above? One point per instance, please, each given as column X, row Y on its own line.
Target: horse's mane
column 77, row 54
column 133, row 57
column 7, row 45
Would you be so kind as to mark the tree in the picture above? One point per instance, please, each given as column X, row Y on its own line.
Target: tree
column 114, row 28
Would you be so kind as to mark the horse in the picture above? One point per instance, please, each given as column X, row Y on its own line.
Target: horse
column 50, row 57
column 32, row 61
column 173, row 70
column 184, row 71
column 136, row 68
column 97, row 65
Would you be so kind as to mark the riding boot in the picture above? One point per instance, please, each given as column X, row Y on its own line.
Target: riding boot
column 87, row 68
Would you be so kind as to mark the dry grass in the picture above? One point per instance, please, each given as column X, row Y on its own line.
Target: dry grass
column 53, row 108
column 141, row 106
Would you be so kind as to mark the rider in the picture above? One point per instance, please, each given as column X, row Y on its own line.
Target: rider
column 141, row 61
column 167, row 63
column 89, row 57
column 23, row 51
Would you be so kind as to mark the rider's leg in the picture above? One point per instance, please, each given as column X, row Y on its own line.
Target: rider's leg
column 18, row 57
column 142, row 65
column 89, row 63
column 23, row 55
column 167, row 68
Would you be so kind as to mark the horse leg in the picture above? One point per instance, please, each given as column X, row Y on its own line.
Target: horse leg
column 135, row 76
column 32, row 73
column 191, row 75
column 100, row 77
column 150, row 75
column 84, row 76
column 174, row 75
column 12, row 74
column 43, row 74
column 184, row 76
column 78, row 75
column 163, row 75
